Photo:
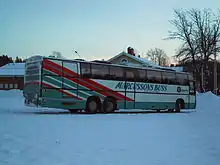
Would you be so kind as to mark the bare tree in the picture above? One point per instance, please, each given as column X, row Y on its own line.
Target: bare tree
column 184, row 32
column 207, row 32
column 199, row 32
column 157, row 56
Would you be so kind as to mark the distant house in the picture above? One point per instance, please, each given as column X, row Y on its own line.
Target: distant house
column 130, row 59
column 12, row 76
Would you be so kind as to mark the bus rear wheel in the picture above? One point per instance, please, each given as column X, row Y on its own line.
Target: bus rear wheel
column 93, row 105
column 109, row 105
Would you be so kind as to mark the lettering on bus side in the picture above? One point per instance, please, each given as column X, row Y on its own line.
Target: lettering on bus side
column 141, row 86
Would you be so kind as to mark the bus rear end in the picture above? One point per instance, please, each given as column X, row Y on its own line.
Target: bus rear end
column 32, row 81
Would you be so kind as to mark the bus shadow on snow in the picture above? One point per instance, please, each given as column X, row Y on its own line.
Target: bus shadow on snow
column 85, row 113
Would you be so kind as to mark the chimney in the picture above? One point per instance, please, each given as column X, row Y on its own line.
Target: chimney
column 130, row 51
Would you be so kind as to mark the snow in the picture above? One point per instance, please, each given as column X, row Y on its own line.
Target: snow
column 12, row 69
column 32, row 136
column 177, row 69
column 147, row 62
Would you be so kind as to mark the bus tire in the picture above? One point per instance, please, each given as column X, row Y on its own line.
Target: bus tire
column 179, row 105
column 93, row 105
column 109, row 105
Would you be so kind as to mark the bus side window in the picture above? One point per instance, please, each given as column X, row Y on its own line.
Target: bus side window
column 130, row 74
column 86, row 70
column 168, row 77
column 116, row 73
column 182, row 79
column 154, row 76
column 141, row 75
column 99, row 71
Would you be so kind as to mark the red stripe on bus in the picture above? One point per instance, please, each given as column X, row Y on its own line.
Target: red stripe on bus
column 71, row 79
column 57, row 69
column 51, row 86
column 88, row 83
column 62, row 91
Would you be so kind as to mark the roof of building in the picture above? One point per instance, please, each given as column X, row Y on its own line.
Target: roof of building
column 145, row 62
column 12, row 69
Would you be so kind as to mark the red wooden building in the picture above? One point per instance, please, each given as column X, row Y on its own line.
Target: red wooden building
column 12, row 76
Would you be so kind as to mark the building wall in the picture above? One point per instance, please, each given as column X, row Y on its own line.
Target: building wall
column 118, row 60
column 11, row 83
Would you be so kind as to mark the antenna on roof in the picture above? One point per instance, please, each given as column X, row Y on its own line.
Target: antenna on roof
column 77, row 53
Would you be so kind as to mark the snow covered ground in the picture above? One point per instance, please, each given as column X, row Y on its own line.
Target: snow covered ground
column 28, row 137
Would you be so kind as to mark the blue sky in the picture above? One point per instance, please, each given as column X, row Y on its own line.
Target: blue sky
column 97, row 29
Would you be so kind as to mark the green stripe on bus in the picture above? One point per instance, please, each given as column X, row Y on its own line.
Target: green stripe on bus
column 82, row 90
column 75, row 104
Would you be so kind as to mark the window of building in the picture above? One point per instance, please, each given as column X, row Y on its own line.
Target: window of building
column 1, row 86
column 11, row 86
column 6, row 86
column 16, row 86
column 124, row 61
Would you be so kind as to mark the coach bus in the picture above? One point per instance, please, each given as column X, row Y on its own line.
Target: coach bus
column 95, row 87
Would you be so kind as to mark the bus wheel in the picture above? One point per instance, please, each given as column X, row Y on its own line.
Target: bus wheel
column 93, row 104
column 109, row 105
column 179, row 105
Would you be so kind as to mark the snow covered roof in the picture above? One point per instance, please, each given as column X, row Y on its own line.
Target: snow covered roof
column 139, row 59
column 12, row 69
column 144, row 61
column 177, row 68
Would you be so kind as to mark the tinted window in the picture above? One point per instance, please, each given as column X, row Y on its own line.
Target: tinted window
column 116, row 73
column 154, row 76
column 85, row 70
column 169, row 78
column 100, row 71
column 72, row 70
column 141, row 75
column 130, row 74
column 182, row 79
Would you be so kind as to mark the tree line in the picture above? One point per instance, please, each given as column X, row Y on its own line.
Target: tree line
column 199, row 33
column 5, row 59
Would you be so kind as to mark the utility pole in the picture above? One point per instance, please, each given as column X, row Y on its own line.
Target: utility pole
column 202, row 76
column 215, row 71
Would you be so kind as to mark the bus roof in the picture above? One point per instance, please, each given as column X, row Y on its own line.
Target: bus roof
column 39, row 58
